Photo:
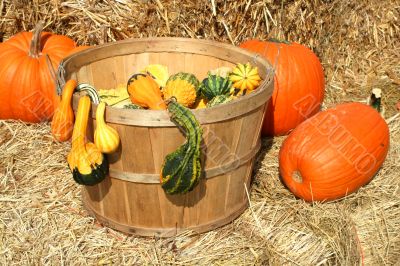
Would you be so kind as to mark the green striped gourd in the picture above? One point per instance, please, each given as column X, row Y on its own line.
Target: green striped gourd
column 182, row 168
column 132, row 106
column 90, row 91
column 219, row 99
column 215, row 85
column 184, row 87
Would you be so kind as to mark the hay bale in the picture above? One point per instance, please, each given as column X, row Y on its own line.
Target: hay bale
column 41, row 216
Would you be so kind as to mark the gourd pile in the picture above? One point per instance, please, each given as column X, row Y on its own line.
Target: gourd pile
column 151, row 88
column 153, row 85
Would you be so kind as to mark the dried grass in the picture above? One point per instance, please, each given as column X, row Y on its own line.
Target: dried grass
column 41, row 216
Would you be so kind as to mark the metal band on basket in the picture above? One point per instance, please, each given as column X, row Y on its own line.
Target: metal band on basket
column 209, row 173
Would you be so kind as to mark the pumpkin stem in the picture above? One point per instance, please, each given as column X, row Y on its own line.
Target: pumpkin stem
column 278, row 41
column 297, row 177
column 35, row 46
column 375, row 99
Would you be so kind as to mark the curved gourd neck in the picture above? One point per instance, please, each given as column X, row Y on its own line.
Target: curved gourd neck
column 81, row 121
column 68, row 92
column 100, row 113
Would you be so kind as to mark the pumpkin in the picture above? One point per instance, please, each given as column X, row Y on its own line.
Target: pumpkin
column 144, row 91
column 214, row 85
column 78, row 49
column 334, row 153
column 106, row 138
column 182, row 168
column 245, row 78
column 298, row 84
column 63, row 118
column 184, row 87
column 219, row 99
column 87, row 164
column 27, row 88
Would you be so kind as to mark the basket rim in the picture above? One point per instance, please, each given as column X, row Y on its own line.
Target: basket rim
column 160, row 118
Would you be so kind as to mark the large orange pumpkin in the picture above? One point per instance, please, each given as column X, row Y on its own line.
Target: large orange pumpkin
column 299, row 84
column 335, row 152
column 27, row 89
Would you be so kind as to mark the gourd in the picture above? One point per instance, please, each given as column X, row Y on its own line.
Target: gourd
column 200, row 103
column 221, row 71
column 184, row 87
column 63, row 118
column 214, row 85
column 182, row 168
column 144, row 91
column 299, row 84
column 245, row 78
column 115, row 97
column 334, row 153
column 158, row 72
column 87, row 164
column 106, row 138
column 219, row 99
column 132, row 106
column 27, row 88
column 90, row 91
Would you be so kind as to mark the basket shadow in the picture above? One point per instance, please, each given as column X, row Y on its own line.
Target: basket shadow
column 266, row 145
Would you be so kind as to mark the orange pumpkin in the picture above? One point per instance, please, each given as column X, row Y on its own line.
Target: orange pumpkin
column 299, row 84
column 334, row 153
column 78, row 49
column 27, row 89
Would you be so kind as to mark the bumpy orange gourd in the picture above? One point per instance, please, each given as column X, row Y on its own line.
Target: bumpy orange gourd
column 298, row 84
column 335, row 152
column 27, row 89
column 63, row 119
column 144, row 91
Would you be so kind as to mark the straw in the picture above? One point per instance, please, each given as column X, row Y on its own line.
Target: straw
column 42, row 221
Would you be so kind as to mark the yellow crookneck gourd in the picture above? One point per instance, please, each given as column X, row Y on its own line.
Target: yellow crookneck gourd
column 88, row 165
column 106, row 138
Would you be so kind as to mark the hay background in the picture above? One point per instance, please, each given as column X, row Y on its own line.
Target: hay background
column 358, row 42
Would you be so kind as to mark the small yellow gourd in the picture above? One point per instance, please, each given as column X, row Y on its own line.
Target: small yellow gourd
column 245, row 79
column 200, row 103
column 106, row 138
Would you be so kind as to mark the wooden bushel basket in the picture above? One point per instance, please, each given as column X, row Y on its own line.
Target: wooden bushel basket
column 131, row 199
